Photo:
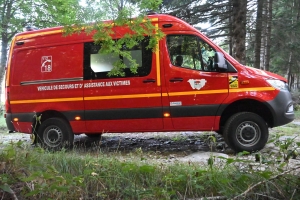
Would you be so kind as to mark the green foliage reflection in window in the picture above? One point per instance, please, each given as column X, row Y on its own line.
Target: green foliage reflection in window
column 195, row 53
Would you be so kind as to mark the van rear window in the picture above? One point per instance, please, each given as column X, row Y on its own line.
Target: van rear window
column 97, row 65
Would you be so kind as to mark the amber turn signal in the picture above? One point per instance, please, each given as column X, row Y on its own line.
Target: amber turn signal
column 166, row 114
column 245, row 82
column 77, row 118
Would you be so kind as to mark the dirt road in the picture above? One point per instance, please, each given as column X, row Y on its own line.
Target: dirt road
column 166, row 144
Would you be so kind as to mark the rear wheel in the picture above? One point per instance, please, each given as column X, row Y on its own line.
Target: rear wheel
column 55, row 134
column 246, row 131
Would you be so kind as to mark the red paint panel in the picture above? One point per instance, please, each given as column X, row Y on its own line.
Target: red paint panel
column 64, row 62
column 129, row 125
column 195, row 123
column 23, row 127
column 78, row 127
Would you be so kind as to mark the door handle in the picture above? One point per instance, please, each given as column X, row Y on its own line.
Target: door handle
column 149, row 81
column 177, row 79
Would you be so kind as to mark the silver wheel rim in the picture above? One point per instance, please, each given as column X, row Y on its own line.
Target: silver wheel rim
column 248, row 133
column 53, row 136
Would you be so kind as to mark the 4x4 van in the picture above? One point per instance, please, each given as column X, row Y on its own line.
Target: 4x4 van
column 58, row 86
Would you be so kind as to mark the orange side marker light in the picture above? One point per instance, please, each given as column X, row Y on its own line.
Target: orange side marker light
column 77, row 118
column 167, row 115
column 245, row 82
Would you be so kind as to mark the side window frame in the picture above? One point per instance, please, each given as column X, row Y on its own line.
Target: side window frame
column 90, row 48
column 196, row 54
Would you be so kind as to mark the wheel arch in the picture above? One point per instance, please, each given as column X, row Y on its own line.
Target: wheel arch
column 247, row 105
column 43, row 116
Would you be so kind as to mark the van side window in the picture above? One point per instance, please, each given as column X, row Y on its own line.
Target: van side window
column 97, row 65
column 190, row 52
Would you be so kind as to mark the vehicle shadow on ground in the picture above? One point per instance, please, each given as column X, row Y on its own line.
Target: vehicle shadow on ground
column 125, row 143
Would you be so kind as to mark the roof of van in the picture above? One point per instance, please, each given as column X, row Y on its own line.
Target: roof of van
column 161, row 17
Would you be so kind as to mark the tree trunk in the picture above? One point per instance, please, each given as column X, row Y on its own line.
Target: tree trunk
column 258, row 35
column 297, row 21
column 4, row 44
column 289, row 70
column 298, row 79
column 268, row 35
column 239, row 8
column 230, row 29
column 6, row 13
column 264, row 35
column 291, row 74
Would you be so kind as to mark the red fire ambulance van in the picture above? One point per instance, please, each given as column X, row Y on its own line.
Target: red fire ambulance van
column 58, row 86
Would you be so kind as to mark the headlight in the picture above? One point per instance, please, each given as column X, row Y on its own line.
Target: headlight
column 280, row 85
column 290, row 108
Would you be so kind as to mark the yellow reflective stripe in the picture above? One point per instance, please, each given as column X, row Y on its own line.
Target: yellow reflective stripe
column 46, row 100
column 123, row 96
column 198, row 92
column 129, row 96
column 9, row 61
column 22, row 37
column 257, row 89
column 154, row 19
column 157, row 60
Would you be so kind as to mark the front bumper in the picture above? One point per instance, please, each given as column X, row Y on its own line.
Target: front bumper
column 282, row 108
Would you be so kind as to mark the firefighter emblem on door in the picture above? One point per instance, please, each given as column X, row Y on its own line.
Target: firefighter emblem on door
column 197, row 83
column 46, row 64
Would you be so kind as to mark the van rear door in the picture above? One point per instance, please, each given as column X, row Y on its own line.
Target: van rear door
column 195, row 88
column 129, row 103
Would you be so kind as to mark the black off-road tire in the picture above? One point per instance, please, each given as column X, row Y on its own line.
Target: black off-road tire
column 55, row 134
column 246, row 131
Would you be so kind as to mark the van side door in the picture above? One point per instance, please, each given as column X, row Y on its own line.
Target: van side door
column 195, row 87
column 121, row 104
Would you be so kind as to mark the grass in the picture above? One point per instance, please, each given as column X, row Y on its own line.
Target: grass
column 2, row 121
column 297, row 115
column 65, row 175
column 290, row 129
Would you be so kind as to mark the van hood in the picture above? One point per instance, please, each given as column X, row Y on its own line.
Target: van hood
column 263, row 73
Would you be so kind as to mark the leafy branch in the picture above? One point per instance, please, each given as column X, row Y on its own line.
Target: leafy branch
column 104, row 33
column 265, row 181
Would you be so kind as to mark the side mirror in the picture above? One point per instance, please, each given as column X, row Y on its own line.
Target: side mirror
column 219, row 61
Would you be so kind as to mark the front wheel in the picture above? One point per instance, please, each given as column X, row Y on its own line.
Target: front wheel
column 55, row 134
column 246, row 131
